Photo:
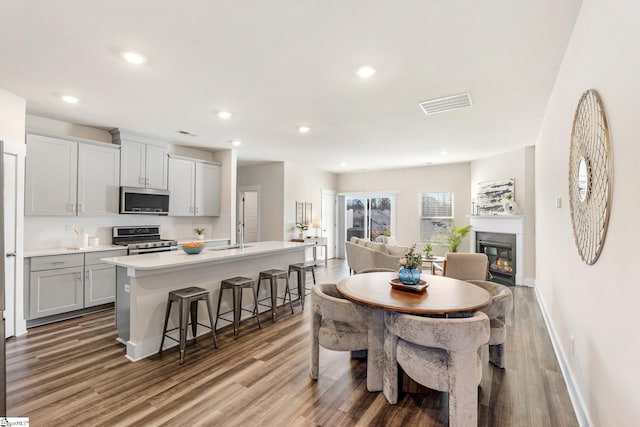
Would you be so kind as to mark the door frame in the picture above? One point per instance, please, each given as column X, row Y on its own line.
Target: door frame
column 331, row 193
column 18, row 149
column 239, row 210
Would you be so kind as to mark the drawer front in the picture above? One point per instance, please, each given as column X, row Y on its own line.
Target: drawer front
column 56, row 261
column 92, row 258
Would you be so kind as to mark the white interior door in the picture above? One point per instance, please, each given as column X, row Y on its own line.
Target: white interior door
column 329, row 209
column 248, row 213
column 13, row 161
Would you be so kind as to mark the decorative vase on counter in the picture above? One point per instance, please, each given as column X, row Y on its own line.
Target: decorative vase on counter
column 409, row 276
column 200, row 236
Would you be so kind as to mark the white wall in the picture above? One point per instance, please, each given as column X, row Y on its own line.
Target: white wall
column 596, row 304
column 270, row 178
column 12, row 116
column 305, row 184
column 518, row 164
column 409, row 183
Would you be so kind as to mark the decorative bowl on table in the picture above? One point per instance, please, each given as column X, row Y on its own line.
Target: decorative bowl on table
column 193, row 248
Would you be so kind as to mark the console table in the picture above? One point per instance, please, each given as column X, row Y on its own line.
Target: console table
column 316, row 241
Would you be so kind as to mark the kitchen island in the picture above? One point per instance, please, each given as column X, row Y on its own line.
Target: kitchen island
column 144, row 281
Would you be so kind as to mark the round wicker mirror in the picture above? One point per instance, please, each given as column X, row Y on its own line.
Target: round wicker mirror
column 590, row 176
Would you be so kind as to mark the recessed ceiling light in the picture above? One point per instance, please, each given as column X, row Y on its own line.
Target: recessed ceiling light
column 429, row 163
column 133, row 58
column 366, row 72
column 70, row 99
column 224, row 115
column 443, row 153
column 304, row 129
column 343, row 164
column 236, row 143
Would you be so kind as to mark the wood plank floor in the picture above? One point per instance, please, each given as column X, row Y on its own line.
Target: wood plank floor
column 73, row 373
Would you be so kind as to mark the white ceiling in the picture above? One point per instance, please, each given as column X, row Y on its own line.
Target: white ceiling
column 279, row 64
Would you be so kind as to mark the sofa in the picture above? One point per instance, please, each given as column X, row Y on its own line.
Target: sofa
column 363, row 254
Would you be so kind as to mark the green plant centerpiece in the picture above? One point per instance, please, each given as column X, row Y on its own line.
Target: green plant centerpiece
column 452, row 237
column 410, row 264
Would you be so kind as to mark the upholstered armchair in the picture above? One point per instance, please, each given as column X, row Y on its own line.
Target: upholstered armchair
column 463, row 266
column 500, row 307
column 336, row 324
column 439, row 353
column 364, row 255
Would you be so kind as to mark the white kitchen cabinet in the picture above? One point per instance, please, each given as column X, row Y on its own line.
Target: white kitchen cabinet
column 207, row 191
column 99, row 278
column 55, row 285
column 98, row 180
column 143, row 165
column 51, row 176
column 67, row 177
column 194, row 186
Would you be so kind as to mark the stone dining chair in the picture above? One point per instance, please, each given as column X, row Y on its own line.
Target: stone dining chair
column 463, row 266
column 439, row 353
column 336, row 324
column 500, row 307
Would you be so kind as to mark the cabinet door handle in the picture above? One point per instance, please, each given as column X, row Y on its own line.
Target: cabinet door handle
column 140, row 180
column 10, row 254
column 80, row 208
column 196, row 211
column 57, row 262
column 146, row 181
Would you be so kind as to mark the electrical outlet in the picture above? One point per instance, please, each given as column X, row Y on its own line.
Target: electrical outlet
column 572, row 345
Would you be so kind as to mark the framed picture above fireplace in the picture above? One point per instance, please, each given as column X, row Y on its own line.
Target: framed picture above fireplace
column 490, row 194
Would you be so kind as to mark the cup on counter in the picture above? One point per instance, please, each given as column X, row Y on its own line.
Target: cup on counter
column 83, row 240
column 94, row 241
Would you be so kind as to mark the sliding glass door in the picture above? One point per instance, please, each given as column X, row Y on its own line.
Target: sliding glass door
column 368, row 217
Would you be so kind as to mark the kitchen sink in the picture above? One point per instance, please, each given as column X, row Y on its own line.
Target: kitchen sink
column 224, row 248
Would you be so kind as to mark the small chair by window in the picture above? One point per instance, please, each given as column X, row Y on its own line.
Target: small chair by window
column 463, row 266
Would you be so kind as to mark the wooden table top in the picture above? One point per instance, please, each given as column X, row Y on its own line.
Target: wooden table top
column 443, row 296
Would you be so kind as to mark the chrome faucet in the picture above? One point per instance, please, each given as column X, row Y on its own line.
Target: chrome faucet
column 241, row 234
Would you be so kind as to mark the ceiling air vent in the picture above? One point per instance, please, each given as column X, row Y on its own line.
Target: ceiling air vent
column 447, row 103
column 186, row 132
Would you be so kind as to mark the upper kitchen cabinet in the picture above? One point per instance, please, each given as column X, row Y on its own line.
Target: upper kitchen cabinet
column 71, row 177
column 144, row 161
column 194, row 186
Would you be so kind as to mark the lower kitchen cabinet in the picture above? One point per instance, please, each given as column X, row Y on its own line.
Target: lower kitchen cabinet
column 60, row 284
column 55, row 291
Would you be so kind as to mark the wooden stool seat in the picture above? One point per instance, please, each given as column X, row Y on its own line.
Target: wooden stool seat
column 237, row 284
column 187, row 299
column 272, row 276
column 301, row 270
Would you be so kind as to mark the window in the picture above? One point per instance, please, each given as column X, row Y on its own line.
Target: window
column 436, row 211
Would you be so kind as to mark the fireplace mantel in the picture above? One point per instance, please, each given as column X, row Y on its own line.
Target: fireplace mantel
column 508, row 224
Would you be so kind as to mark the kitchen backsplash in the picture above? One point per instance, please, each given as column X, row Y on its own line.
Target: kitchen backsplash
column 57, row 232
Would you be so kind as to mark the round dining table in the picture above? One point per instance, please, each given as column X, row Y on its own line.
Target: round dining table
column 442, row 297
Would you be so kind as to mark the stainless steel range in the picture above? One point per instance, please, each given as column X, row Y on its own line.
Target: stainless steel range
column 142, row 240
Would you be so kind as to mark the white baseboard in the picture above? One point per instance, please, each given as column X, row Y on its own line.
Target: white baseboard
column 579, row 406
column 528, row 281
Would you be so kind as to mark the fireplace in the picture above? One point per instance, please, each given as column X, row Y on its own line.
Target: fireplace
column 499, row 226
column 500, row 249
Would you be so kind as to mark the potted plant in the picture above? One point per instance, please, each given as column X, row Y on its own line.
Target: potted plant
column 302, row 227
column 452, row 237
column 428, row 250
column 200, row 232
column 409, row 264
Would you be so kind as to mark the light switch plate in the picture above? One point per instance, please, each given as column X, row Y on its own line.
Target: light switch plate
column 558, row 202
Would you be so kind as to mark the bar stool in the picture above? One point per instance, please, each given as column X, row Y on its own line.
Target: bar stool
column 301, row 269
column 272, row 276
column 187, row 299
column 237, row 284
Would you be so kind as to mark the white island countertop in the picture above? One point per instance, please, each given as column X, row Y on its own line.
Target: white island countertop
column 173, row 260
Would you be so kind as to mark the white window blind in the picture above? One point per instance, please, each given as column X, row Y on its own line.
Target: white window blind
column 436, row 212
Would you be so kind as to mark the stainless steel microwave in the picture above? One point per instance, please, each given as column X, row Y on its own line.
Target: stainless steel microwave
column 144, row 201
